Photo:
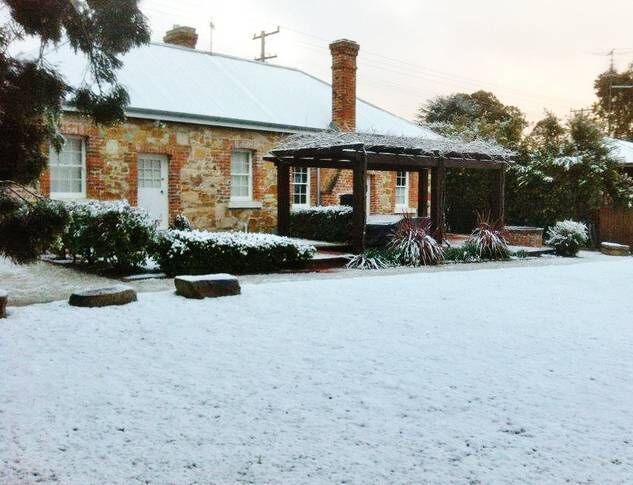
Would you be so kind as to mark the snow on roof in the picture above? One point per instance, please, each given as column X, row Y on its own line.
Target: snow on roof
column 175, row 83
column 371, row 142
column 622, row 150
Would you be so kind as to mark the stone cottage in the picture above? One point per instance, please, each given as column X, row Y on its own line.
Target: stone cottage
column 198, row 126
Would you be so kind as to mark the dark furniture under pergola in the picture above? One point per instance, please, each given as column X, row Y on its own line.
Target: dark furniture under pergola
column 363, row 152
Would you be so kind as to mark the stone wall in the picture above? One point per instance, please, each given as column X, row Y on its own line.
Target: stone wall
column 524, row 236
column 199, row 171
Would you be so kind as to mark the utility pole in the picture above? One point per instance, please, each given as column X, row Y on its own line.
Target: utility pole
column 262, row 38
column 582, row 111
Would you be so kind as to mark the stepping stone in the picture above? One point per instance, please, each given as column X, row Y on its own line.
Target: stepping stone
column 4, row 296
column 115, row 295
column 614, row 249
column 207, row 286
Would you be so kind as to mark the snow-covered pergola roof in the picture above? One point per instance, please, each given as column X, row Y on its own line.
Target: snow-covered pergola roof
column 421, row 152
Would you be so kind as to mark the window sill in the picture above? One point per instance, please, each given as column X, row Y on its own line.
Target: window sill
column 404, row 210
column 245, row 204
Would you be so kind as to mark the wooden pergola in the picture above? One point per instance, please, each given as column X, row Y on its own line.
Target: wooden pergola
column 363, row 152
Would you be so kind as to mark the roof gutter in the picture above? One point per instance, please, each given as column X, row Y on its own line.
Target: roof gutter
column 177, row 117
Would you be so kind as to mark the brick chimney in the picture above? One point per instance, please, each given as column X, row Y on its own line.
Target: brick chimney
column 181, row 35
column 344, row 53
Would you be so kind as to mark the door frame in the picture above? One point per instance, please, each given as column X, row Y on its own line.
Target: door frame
column 164, row 172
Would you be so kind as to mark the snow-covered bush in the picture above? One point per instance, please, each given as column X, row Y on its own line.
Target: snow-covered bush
column 567, row 237
column 371, row 259
column 201, row 252
column 488, row 240
column 323, row 223
column 113, row 234
column 27, row 229
column 413, row 245
column 181, row 223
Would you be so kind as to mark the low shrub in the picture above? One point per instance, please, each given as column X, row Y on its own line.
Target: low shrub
column 181, row 223
column 567, row 237
column 466, row 253
column 412, row 244
column 373, row 258
column 521, row 254
column 202, row 252
column 29, row 229
column 112, row 234
column 489, row 241
column 322, row 223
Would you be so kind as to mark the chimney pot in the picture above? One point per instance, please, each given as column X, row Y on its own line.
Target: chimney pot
column 182, row 36
column 344, row 54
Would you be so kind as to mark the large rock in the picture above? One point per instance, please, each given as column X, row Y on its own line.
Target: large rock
column 207, row 286
column 4, row 296
column 614, row 249
column 115, row 295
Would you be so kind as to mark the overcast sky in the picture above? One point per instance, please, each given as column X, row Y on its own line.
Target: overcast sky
column 535, row 54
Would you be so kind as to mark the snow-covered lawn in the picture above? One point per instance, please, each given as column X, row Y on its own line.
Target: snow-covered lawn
column 490, row 376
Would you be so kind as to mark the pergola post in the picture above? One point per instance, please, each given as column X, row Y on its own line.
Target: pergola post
column 498, row 206
column 283, row 199
column 359, row 215
column 423, row 193
column 438, row 196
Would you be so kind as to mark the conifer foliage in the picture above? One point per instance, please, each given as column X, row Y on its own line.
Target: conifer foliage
column 32, row 91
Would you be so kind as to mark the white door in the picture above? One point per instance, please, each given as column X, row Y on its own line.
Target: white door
column 153, row 187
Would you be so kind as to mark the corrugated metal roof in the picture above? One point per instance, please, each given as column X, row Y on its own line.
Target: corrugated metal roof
column 622, row 150
column 181, row 84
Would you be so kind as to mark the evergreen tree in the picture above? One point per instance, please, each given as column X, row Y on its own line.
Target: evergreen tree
column 32, row 92
column 615, row 105
column 564, row 172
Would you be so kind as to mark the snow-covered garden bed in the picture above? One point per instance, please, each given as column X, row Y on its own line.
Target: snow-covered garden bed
column 513, row 375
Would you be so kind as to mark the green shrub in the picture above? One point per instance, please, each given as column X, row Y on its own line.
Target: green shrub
column 322, row 223
column 181, row 223
column 521, row 254
column 29, row 229
column 202, row 252
column 567, row 237
column 111, row 234
column 466, row 253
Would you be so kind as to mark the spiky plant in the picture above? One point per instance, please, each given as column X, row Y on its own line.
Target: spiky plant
column 413, row 245
column 370, row 259
column 488, row 238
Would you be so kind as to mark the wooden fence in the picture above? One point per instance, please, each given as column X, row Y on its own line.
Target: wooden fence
column 615, row 225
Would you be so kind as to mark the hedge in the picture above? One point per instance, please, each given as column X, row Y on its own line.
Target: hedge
column 112, row 234
column 202, row 252
column 322, row 223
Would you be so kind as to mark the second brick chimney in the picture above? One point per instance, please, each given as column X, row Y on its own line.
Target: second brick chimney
column 181, row 35
column 344, row 53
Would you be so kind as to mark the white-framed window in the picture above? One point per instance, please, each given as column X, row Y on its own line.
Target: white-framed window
column 402, row 189
column 300, row 187
column 68, row 169
column 241, row 175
